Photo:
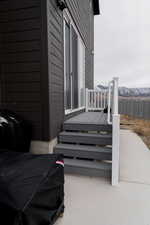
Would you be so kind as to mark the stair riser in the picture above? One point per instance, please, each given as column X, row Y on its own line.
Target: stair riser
column 87, row 171
column 83, row 154
column 86, row 140
column 87, row 127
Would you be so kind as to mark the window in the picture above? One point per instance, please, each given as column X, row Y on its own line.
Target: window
column 74, row 66
column 81, row 69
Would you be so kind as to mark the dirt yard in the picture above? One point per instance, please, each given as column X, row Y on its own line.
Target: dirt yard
column 139, row 126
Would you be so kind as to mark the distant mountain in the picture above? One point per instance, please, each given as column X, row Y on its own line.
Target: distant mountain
column 129, row 92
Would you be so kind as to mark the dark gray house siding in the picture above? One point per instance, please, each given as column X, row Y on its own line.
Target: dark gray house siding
column 82, row 14
column 21, row 62
column 55, row 66
column 32, row 59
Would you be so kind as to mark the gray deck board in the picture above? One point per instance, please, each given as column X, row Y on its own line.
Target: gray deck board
column 84, row 148
column 89, row 164
column 98, row 118
column 84, row 151
column 85, row 138
column 88, row 135
column 88, row 168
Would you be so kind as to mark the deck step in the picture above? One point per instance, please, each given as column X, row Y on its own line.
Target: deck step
column 85, row 138
column 84, row 151
column 88, row 168
column 86, row 127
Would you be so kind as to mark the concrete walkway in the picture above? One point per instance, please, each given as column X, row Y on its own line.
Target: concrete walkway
column 93, row 201
column 134, row 159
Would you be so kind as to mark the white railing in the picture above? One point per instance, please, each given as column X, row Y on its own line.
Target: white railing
column 113, row 118
column 108, row 99
column 96, row 100
column 109, row 119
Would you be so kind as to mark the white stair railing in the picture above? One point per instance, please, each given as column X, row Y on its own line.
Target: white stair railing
column 115, row 121
column 109, row 101
column 96, row 100
column 100, row 100
column 115, row 135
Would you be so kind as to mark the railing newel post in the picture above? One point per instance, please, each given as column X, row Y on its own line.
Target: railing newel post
column 115, row 134
column 86, row 100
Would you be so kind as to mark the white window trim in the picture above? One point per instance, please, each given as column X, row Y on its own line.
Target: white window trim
column 68, row 18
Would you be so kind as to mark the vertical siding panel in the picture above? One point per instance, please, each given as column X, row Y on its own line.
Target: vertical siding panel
column 55, row 67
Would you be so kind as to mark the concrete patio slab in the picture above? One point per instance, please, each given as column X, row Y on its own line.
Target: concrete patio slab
column 93, row 201
column 134, row 158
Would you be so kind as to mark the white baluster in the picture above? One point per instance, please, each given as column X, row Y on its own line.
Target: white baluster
column 86, row 100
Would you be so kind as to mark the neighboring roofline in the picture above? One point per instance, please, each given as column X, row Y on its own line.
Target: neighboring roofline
column 96, row 7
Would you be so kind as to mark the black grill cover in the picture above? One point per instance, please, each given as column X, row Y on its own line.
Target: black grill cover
column 31, row 188
column 15, row 132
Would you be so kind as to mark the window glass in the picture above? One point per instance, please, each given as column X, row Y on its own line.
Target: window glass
column 74, row 66
column 81, row 69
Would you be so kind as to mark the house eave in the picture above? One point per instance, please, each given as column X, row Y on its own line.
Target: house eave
column 96, row 7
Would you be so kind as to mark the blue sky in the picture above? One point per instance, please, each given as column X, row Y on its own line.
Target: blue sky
column 122, row 42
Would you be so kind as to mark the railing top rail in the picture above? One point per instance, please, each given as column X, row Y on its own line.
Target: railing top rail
column 90, row 90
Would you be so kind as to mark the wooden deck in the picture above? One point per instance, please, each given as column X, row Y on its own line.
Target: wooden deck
column 86, row 136
column 98, row 118
column 88, row 121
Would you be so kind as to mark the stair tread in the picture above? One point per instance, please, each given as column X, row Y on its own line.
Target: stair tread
column 89, row 117
column 64, row 133
column 86, row 122
column 88, row 164
column 87, row 148
column 87, row 127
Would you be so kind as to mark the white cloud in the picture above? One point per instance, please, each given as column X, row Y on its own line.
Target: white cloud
column 122, row 42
